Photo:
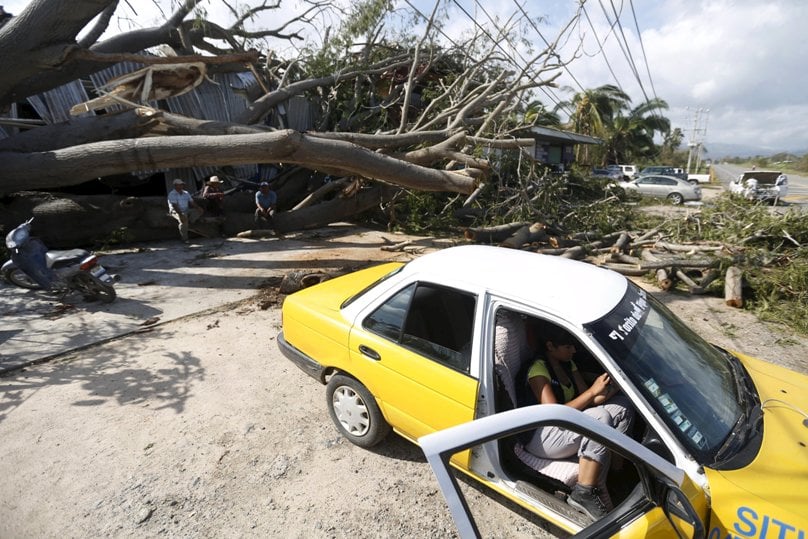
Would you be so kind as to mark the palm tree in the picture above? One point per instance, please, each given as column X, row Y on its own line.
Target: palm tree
column 631, row 137
column 593, row 112
column 537, row 114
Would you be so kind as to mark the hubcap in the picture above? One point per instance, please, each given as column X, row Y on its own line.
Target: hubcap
column 351, row 411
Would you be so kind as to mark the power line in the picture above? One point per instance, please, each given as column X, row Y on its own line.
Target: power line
column 642, row 47
column 507, row 55
column 600, row 46
column 547, row 43
column 625, row 50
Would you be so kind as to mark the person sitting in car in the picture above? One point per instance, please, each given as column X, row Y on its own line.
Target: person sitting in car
column 555, row 379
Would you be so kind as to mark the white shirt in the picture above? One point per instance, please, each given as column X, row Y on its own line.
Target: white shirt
column 182, row 200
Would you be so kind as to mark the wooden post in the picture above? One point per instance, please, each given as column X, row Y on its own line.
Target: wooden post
column 733, row 294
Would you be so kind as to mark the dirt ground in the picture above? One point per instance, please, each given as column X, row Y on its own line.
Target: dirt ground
column 199, row 427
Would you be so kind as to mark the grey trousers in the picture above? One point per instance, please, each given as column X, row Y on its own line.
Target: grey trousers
column 559, row 443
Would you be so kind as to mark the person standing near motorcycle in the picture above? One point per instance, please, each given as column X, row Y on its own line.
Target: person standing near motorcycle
column 180, row 204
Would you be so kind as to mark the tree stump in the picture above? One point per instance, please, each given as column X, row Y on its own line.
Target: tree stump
column 733, row 293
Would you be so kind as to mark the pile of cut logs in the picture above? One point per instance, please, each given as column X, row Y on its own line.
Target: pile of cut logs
column 694, row 266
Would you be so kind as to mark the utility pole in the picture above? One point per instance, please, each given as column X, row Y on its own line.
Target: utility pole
column 697, row 135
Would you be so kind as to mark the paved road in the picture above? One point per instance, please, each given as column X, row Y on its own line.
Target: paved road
column 157, row 280
column 797, row 185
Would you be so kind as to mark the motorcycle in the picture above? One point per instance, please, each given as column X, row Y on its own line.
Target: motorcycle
column 33, row 266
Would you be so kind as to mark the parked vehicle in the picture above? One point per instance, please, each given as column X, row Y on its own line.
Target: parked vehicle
column 630, row 172
column 611, row 174
column 33, row 266
column 675, row 190
column 421, row 347
column 698, row 178
column 664, row 171
column 763, row 185
column 627, row 172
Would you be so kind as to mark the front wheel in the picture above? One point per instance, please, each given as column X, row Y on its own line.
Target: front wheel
column 17, row 277
column 676, row 198
column 92, row 288
column 355, row 412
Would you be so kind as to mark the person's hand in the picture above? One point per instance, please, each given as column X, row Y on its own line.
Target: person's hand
column 601, row 385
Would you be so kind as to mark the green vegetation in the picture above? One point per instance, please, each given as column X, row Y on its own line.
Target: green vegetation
column 771, row 249
column 788, row 163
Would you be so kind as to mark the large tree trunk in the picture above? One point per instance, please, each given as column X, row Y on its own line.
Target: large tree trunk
column 77, row 164
column 67, row 221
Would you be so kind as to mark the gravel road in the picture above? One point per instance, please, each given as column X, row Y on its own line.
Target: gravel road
column 199, row 427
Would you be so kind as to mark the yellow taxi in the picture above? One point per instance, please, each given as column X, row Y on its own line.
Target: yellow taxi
column 718, row 447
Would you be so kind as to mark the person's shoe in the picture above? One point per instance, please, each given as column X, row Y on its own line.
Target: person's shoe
column 587, row 499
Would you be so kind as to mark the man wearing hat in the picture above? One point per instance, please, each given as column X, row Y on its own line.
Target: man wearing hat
column 265, row 201
column 180, row 203
column 214, row 197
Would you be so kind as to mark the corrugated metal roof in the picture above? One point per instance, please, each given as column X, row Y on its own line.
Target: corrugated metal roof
column 220, row 98
column 54, row 105
column 556, row 135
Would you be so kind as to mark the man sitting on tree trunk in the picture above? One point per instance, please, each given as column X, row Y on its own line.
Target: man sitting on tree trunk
column 265, row 201
column 179, row 206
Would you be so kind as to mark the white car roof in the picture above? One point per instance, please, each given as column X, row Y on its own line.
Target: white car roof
column 577, row 291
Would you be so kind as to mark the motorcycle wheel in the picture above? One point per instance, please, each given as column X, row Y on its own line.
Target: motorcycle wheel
column 17, row 277
column 92, row 288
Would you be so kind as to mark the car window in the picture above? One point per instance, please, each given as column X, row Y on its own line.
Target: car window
column 667, row 181
column 687, row 381
column 432, row 320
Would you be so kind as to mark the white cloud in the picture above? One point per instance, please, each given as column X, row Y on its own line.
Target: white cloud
column 741, row 59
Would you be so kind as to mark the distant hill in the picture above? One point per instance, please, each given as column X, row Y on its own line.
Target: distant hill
column 717, row 150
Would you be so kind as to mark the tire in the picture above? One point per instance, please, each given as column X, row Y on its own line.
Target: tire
column 676, row 198
column 354, row 411
column 17, row 277
column 92, row 288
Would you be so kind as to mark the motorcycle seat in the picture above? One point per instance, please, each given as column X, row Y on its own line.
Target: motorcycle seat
column 71, row 255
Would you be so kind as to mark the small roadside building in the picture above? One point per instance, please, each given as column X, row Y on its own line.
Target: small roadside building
column 554, row 147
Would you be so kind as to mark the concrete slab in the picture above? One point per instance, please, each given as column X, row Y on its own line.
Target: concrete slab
column 165, row 281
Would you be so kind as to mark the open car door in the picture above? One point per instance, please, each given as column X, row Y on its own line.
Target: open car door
column 658, row 507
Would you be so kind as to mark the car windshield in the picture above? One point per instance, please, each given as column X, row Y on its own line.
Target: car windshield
column 689, row 382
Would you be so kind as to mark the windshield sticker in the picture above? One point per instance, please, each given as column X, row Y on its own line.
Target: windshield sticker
column 675, row 413
column 638, row 311
column 751, row 524
column 652, row 387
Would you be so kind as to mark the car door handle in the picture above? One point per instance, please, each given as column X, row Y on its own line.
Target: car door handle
column 369, row 352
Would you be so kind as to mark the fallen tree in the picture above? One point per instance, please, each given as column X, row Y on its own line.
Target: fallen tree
column 385, row 130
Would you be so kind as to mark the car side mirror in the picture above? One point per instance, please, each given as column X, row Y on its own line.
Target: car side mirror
column 683, row 517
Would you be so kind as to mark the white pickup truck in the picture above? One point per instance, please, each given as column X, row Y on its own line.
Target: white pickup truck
column 698, row 178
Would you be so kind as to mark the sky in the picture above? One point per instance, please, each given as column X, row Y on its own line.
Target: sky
column 732, row 71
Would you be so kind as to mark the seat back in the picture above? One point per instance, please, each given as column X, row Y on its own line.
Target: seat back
column 511, row 353
column 511, row 357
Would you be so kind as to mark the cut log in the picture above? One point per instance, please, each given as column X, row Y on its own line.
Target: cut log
column 663, row 281
column 688, row 248
column 685, row 278
column 576, row 253
column 526, row 234
column 679, row 263
column 733, row 282
column 626, row 259
column 396, row 247
column 625, row 269
column 706, row 279
column 621, row 243
column 492, row 234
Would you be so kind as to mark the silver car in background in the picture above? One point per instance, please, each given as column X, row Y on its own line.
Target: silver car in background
column 675, row 190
